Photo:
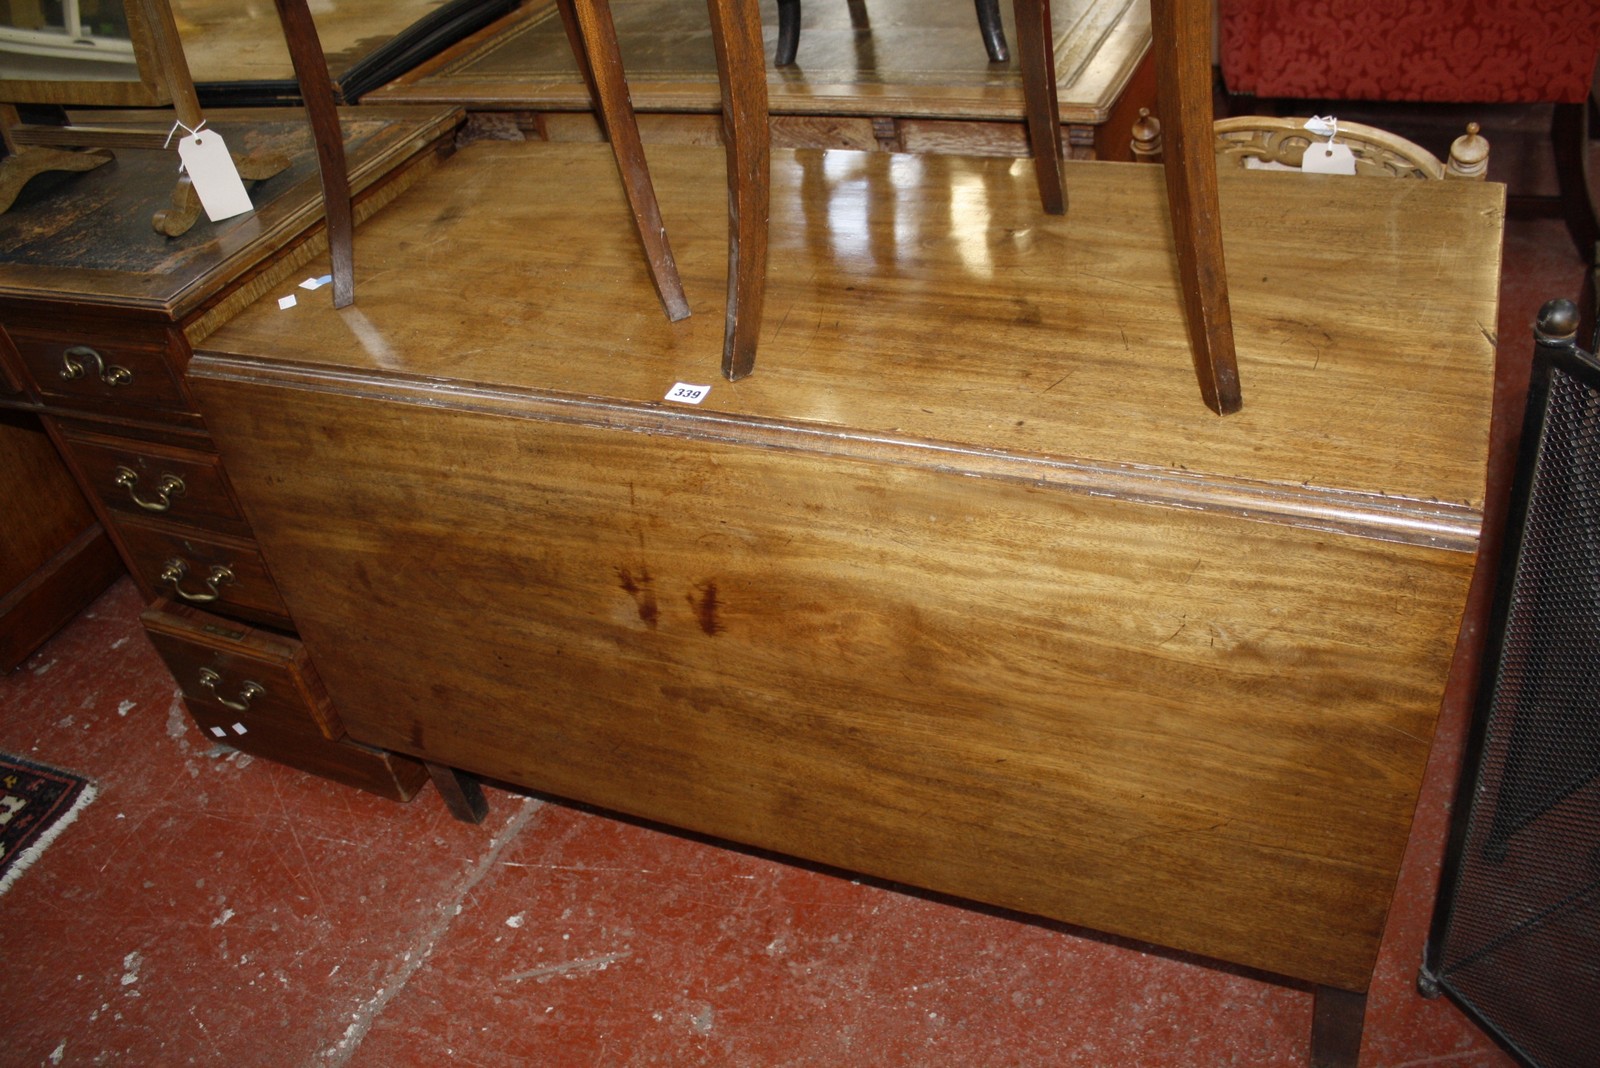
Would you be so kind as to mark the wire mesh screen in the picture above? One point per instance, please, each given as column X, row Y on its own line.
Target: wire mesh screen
column 1518, row 942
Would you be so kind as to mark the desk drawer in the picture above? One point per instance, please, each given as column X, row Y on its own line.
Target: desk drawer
column 219, row 573
column 258, row 692
column 88, row 372
column 239, row 679
column 148, row 479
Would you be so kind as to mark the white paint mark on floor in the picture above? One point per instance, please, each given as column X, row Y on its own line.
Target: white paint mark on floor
column 130, row 968
column 570, row 967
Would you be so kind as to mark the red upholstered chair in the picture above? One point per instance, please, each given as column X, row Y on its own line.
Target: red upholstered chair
column 1441, row 51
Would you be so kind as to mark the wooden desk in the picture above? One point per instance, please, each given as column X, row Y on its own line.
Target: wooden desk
column 963, row 587
column 98, row 316
column 918, row 81
column 55, row 557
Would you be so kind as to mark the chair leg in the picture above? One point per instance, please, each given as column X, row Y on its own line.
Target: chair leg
column 600, row 58
column 316, row 90
column 1036, row 53
column 788, row 33
column 741, row 69
column 993, row 31
column 1181, row 32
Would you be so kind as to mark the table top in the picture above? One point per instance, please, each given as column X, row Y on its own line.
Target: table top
column 231, row 44
column 926, row 305
column 87, row 239
column 920, row 58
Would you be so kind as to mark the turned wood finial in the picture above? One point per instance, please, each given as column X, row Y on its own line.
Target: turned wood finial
column 1146, row 143
column 1469, row 155
column 1557, row 324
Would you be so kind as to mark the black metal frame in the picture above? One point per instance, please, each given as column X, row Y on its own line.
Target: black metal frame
column 1555, row 350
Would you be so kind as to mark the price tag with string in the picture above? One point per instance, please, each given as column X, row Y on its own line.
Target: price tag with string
column 1327, row 157
column 211, row 170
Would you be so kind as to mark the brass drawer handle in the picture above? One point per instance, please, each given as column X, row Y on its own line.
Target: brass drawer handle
column 169, row 487
column 174, row 571
column 110, row 374
column 247, row 693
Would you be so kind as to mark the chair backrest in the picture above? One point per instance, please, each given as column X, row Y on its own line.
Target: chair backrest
column 1260, row 142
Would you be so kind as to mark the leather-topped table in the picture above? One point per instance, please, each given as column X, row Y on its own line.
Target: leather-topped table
column 917, row 79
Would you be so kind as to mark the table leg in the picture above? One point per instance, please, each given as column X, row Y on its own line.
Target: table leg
column 742, row 72
column 1181, row 31
column 594, row 36
column 461, row 792
column 1337, row 1019
column 1036, row 54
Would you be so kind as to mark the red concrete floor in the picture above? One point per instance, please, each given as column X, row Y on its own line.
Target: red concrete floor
column 208, row 908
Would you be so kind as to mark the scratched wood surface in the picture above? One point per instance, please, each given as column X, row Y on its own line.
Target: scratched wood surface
column 917, row 58
column 87, row 237
column 962, row 587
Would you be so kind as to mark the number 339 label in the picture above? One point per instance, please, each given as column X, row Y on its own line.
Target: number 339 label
column 684, row 393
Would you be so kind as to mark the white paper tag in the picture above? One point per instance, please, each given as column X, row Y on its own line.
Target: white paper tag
column 1323, row 125
column 316, row 283
column 285, row 303
column 216, row 180
column 1329, row 157
column 240, row 728
column 684, row 393
column 219, row 732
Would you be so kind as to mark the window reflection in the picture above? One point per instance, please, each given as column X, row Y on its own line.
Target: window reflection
column 66, row 40
column 878, row 212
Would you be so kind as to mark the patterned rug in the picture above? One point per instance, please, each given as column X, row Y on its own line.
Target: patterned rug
column 36, row 804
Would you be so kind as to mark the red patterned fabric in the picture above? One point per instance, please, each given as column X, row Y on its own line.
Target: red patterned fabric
column 1461, row 51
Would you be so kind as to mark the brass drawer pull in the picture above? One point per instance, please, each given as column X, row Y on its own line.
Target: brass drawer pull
column 169, row 487
column 110, row 374
column 247, row 693
column 174, row 571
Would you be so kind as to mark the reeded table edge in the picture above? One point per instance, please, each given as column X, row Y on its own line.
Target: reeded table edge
column 1380, row 517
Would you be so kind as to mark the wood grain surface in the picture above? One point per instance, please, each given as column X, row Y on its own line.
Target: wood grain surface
column 928, row 299
column 962, row 587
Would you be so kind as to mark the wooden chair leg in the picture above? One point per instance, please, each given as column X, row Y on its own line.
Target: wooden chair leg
column 993, row 30
column 1337, row 1019
column 600, row 58
column 1181, row 31
column 461, row 792
column 788, row 33
column 741, row 69
column 1036, row 53
column 316, row 89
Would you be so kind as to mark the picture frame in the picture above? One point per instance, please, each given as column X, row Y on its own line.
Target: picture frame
column 81, row 53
